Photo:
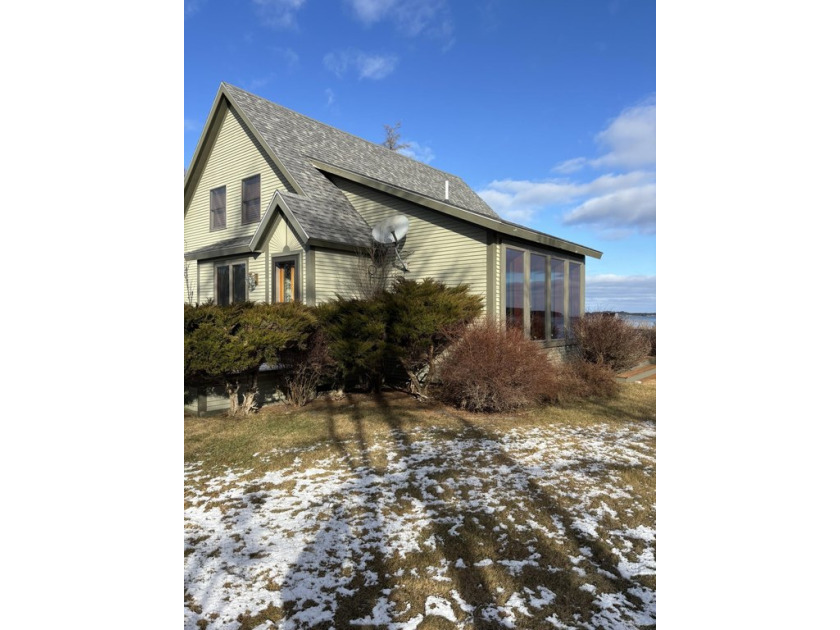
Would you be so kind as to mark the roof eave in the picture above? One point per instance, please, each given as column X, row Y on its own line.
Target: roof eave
column 234, row 250
column 459, row 213
column 263, row 228
column 266, row 147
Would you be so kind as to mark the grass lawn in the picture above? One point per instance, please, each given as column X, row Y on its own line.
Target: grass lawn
column 380, row 511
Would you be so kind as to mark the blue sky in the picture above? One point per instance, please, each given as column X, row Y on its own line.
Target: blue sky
column 547, row 110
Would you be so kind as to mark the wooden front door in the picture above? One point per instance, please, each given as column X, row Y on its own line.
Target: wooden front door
column 284, row 281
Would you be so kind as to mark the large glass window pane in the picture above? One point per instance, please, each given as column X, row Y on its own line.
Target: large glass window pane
column 557, row 295
column 574, row 292
column 223, row 285
column 240, row 284
column 514, row 288
column 537, row 282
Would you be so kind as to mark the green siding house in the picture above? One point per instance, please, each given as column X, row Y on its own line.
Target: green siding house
column 279, row 207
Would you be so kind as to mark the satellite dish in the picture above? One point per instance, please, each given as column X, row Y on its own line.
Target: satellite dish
column 391, row 230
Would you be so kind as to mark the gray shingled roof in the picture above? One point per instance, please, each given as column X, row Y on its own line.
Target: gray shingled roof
column 324, row 212
column 219, row 246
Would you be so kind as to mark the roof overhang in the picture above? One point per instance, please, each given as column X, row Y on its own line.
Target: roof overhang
column 222, row 102
column 277, row 202
column 502, row 227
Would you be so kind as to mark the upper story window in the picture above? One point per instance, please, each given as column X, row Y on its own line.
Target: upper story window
column 251, row 200
column 218, row 216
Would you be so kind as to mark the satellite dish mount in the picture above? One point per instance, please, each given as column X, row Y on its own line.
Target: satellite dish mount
column 391, row 232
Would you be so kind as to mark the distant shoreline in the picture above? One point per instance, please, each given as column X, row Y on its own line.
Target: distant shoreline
column 626, row 313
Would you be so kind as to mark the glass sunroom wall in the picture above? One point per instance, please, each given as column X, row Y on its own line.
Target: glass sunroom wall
column 537, row 293
column 575, row 271
column 515, row 288
column 558, row 293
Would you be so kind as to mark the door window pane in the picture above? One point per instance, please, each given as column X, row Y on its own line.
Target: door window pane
column 285, row 281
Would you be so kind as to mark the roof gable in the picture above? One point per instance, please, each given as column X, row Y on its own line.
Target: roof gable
column 305, row 151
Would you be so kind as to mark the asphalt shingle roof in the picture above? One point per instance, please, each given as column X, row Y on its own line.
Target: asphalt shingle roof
column 324, row 211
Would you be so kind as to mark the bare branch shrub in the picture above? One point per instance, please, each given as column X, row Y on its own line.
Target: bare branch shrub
column 307, row 369
column 493, row 368
column 580, row 380
column 377, row 267
column 650, row 335
column 606, row 338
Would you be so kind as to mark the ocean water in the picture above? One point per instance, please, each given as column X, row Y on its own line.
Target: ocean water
column 640, row 320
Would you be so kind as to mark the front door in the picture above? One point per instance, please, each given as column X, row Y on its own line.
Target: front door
column 284, row 281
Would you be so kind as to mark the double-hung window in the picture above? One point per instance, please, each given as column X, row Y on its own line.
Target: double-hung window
column 231, row 282
column 218, row 218
column 251, row 200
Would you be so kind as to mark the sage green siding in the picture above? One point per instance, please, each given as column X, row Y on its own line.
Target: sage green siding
column 205, row 282
column 234, row 155
column 437, row 246
column 336, row 273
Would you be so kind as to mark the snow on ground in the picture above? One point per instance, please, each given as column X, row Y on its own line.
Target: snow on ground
column 318, row 537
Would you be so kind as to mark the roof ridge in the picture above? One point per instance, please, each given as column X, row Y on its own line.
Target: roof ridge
column 345, row 133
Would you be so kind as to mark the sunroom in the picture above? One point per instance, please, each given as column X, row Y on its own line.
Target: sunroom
column 542, row 292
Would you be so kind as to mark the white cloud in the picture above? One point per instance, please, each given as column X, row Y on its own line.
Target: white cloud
column 609, row 292
column 278, row 13
column 191, row 7
column 633, row 207
column 616, row 204
column 371, row 11
column 630, row 139
column 519, row 200
column 417, row 151
column 289, row 56
column 190, row 125
column 570, row 166
column 330, row 96
column 411, row 17
column 366, row 66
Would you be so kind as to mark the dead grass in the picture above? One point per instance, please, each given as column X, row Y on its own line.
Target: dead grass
column 488, row 557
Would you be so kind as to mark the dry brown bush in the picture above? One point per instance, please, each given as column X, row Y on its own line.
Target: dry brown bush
column 650, row 335
column 606, row 338
column 492, row 368
column 307, row 369
column 580, row 380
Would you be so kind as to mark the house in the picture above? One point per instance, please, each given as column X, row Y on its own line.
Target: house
column 279, row 207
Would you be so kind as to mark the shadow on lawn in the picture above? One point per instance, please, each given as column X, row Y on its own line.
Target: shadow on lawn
column 318, row 592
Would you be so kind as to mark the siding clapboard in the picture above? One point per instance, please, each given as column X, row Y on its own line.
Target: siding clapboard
column 437, row 246
column 234, row 155
column 336, row 273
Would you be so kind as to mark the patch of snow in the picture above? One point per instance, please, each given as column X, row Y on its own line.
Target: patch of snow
column 441, row 607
